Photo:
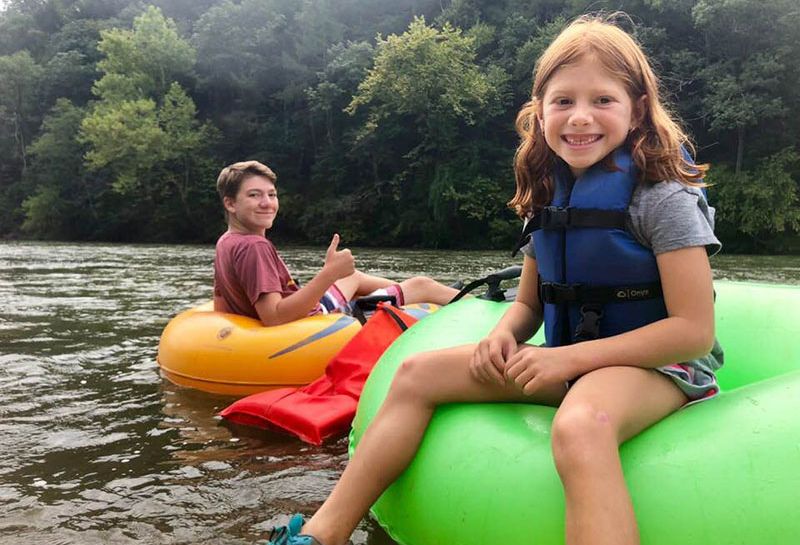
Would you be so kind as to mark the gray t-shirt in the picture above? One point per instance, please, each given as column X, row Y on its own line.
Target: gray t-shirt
column 668, row 216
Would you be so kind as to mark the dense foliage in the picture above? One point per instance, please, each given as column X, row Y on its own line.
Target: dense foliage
column 390, row 122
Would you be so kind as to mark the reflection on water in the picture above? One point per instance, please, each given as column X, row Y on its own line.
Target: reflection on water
column 96, row 448
column 769, row 269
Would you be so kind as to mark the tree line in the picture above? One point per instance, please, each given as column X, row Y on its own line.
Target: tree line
column 388, row 121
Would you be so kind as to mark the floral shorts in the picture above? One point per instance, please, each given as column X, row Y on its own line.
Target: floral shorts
column 696, row 378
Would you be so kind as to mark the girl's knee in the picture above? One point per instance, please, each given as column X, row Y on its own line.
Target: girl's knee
column 410, row 378
column 579, row 433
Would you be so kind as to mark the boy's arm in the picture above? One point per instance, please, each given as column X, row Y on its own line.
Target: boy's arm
column 274, row 309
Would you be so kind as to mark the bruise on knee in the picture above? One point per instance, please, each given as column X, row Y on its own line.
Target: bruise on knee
column 580, row 434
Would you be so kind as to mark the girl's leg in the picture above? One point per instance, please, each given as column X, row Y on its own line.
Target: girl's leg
column 391, row 441
column 602, row 410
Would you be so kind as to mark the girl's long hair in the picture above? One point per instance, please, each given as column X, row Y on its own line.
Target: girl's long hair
column 656, row 143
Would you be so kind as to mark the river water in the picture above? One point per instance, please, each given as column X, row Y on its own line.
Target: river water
column 96, row 448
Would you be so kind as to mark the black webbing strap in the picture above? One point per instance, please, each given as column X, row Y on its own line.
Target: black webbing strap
column 363, row 307
column 393, row 315
column 592, row 300
column 556, row 293
column 553, row 217
column 493, row 293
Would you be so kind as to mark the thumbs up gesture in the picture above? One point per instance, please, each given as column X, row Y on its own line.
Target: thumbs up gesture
column 339, row 263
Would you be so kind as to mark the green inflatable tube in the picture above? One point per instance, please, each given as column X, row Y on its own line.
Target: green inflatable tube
column 722, row 472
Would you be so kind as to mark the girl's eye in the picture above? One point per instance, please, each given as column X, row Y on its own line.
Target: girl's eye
column 605, row 100
column 563, row 101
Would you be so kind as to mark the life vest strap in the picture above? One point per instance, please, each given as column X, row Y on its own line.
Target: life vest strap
column 555, row 217
column 556, row 293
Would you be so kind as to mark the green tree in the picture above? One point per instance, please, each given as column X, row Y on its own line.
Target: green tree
column 124, row 137
column 70, row 62
column 431, row 76
column 144, row 134
column 750, row 49
column 63, row 204
column 424, row 93
column 251, row 79
column 338, row 82
column 19, row 31
column 188, row 164
column 241, row 49
column 760, row 203
column 144, row 61
column 341, row 184
column 19, row 78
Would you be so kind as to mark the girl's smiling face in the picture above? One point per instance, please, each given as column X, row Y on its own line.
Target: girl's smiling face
column 586, row 113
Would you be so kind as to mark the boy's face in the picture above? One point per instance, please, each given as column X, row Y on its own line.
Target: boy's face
column 254, row 208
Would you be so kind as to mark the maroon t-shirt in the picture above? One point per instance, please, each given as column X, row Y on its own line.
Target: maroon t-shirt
column 245, row 267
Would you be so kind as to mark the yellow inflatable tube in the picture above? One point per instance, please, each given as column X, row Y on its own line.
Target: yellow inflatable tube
column 235, row 355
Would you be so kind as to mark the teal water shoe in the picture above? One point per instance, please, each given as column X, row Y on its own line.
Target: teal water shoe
column 290, row 534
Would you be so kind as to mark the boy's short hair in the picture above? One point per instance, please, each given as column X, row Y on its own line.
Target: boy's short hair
column 230, row 179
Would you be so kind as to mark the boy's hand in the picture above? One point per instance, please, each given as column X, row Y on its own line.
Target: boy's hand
column 339, row 263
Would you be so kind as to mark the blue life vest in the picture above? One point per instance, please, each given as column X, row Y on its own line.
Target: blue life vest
column 595, row 281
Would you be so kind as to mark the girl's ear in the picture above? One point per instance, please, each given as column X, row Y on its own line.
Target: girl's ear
column 539, row 115
column 639, row 111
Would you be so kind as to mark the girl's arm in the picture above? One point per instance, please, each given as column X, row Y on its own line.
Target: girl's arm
column 518, row 324
column 524, row 317
column 686, row 333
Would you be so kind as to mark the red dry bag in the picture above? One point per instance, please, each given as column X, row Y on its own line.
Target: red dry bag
column 326, row 407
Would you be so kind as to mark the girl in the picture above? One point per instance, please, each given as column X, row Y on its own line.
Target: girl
column 618, row 271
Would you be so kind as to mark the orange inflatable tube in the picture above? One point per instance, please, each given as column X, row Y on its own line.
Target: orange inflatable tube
column 235, row 355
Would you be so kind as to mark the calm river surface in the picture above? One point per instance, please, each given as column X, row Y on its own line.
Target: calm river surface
column 96, row 448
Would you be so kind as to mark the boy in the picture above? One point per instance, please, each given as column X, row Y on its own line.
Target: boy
column 251, row 279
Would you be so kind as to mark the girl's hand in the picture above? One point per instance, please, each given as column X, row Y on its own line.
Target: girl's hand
column 490, row 356
column 532, row 367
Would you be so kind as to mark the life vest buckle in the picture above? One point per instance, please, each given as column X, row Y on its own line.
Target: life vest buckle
column 589, row 324
column 556, row 293
column 554, row 217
